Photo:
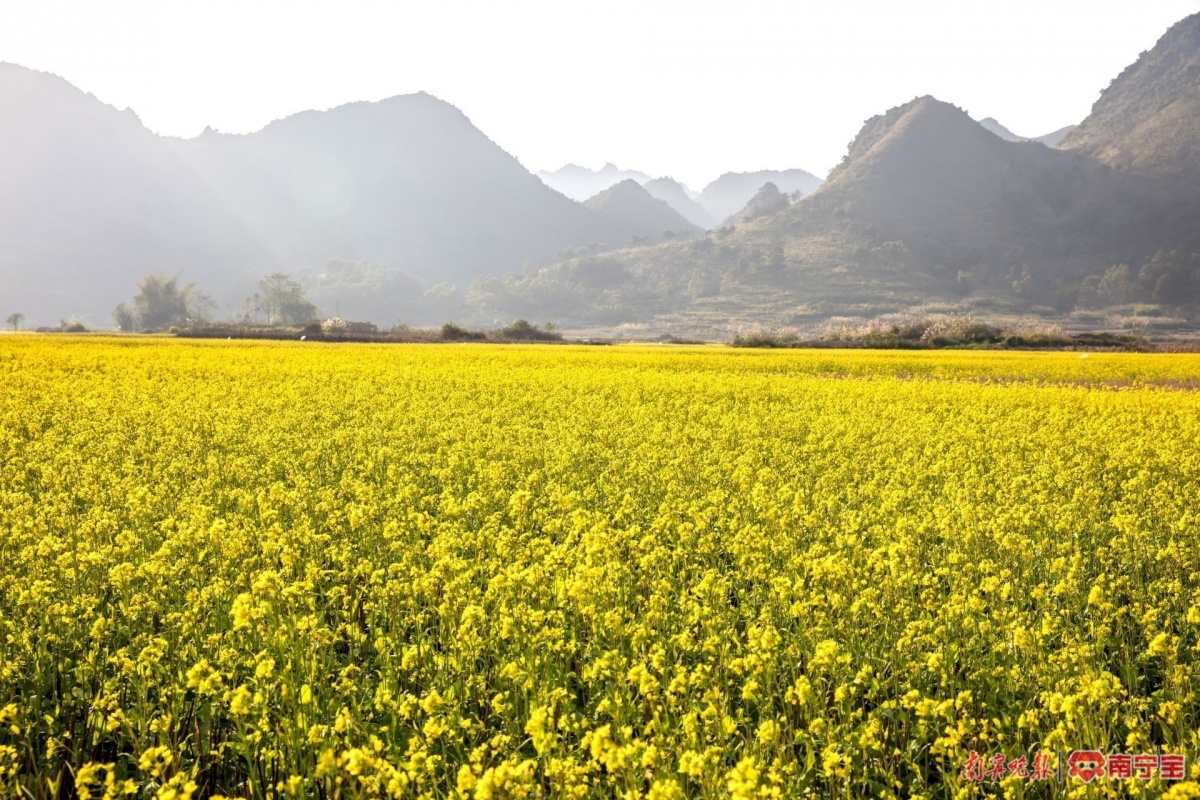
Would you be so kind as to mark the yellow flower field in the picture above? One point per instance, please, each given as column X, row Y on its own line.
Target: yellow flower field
column 342, row 571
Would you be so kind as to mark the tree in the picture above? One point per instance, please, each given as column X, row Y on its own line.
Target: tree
column 1089, row 292
column 15, row 321
column 1166, row 277
column 125, row 318
column 281, row 301
column 160, row 303
column 1117, row 286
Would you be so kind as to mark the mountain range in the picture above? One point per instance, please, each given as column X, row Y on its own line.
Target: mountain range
column 403, row 209
column 720, row 199
column 580, row 183
column 91, row 201
column 931, row 209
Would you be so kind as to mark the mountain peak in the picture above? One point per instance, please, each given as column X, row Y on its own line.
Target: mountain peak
column 629, row 203
column 923, row 119
column 767, row 200
column 729, row 194
column 628, row 187
column 992, row 124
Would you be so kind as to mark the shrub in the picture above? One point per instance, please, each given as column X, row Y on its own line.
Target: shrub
column 522, row 331
column 454, row 333
column 766, row 337
column 959, row 331
column 335, row 325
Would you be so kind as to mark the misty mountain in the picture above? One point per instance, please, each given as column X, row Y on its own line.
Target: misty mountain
column 926, row 174
column 677, row 196
column 1051, row 139
column 408, row 181
column 580, row 183
column 992, row 124
column 769, row 200
column 632, row 208
column 926, row 204
column 730, row 193
column 929, row 206
column 388, row 210
column 91, row 201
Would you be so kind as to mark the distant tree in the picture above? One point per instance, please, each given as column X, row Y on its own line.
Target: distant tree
column 15, row 321
column 201, row 307
column 125, row 318
column 282, row 301
column 160, row 303
column 1167, row 279
column 1089, row 292
column 1116, row 287
column 252, row 309
column 522, row 331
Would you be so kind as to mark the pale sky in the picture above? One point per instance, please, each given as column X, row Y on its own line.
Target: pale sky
column 689, row 89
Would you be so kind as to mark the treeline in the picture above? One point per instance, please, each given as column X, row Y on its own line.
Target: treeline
column 1170, row 279
column 339, row 330
column 162, row 303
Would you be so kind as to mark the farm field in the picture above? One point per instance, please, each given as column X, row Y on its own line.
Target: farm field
column 341, row 571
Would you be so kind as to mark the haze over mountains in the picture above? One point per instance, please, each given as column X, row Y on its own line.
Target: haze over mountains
column 630, row 206
column 930, row 207
column 1050, row 139
column 402, row 209
column 580, row 183
column 680, row 198
column 720, row 199
column 90, row 201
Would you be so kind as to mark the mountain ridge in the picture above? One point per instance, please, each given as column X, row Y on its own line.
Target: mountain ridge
column 91, row 200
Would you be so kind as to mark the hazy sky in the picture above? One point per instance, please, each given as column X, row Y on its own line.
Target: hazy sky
column 689, row 89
